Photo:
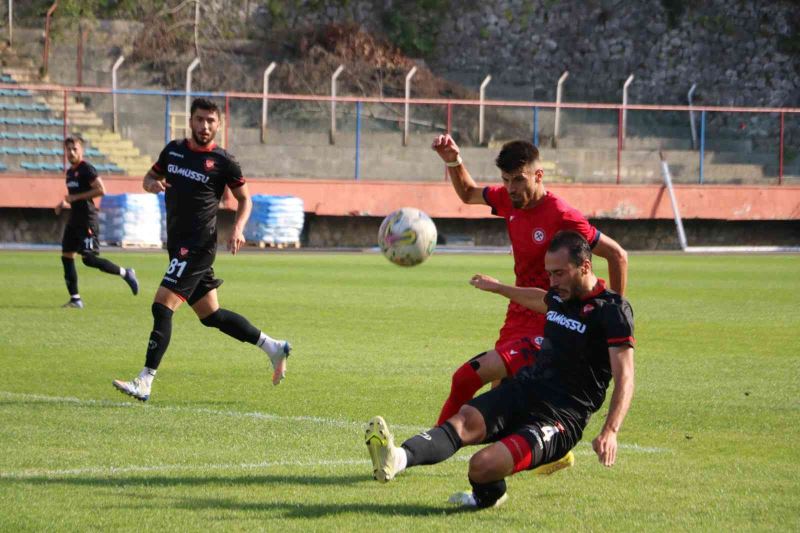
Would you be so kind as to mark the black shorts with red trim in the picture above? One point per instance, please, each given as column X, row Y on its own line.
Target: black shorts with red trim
column 533, row 431
column 190, row 273
column 80, row 238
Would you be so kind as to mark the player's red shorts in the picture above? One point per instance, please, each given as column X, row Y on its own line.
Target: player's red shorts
column 520, row 338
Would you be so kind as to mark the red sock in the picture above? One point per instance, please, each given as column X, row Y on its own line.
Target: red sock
column 466, row 383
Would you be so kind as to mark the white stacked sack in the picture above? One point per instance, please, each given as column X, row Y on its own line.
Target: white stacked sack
column 275, row 220
column 130, row 219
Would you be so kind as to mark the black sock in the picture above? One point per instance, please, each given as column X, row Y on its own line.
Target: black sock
column 486, row 494
column 159, row 337
column 94, row 261
column 70, row 274
column 432, row 446
column 232, row 324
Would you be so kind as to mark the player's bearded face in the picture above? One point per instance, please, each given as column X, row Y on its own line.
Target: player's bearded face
column 520, row 186
column 205, row 124
column 74, row 152
column 565, row 277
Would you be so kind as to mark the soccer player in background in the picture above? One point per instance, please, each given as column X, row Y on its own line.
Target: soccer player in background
column 193, row 174
column 80, row 233
column 539, row 414
column 533, row 216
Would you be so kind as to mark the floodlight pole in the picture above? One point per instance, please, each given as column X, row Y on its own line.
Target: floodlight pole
column 407, row 112
column 192, row 66
column 481, row 108
column 334, row 77
column 267, row 72
column 624, row 104
column 115, row 122
column 559, row 94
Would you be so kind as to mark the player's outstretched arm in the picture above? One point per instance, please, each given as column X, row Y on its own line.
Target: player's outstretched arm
column 154, row 183
column 242, row 195
column 530, row 297
column 605, row 444
column 465, row 186
column 617, row 259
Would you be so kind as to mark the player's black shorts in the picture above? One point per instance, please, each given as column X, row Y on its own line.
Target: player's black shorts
column 81, row 239
column 512, row 414
column 190, row 273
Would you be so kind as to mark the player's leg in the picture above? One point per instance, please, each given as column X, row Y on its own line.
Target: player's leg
column 70, row 243
column 164, row 305
column 469, row 378
column 183, row 274
column 90, row 253
column 71, row 279
column 206, row 307
column 429, row 447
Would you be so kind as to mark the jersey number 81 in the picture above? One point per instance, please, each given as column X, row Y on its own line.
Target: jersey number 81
column 180, row 265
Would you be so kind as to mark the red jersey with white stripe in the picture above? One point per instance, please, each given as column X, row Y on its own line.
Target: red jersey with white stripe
column 530, row 231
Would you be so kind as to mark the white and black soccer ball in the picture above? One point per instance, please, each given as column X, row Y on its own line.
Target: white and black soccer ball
column 407, row 236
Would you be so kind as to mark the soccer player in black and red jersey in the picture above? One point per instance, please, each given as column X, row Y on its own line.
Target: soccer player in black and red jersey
column 539, row 414
column 193, row 174
column 80, row 233
column 533, row 216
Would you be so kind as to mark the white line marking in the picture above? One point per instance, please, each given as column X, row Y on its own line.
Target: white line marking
column 349, row 424
column 200, row 410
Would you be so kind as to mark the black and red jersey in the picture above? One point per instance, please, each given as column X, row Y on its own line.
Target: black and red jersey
column 197, row 180
column 572, row 370
column 79, row 179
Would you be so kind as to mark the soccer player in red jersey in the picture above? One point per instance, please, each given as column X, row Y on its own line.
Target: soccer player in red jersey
column 533, row 217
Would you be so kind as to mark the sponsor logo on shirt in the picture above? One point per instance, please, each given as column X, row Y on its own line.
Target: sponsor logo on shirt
column 187, row 173
column 176, row 154
column 569, row 323
column 73, row 184
column 539, row 235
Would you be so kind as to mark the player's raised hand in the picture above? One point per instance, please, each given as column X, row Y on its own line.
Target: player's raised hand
column 446, row 147
column 605, row 446
column 484, row 282
column 236, row 241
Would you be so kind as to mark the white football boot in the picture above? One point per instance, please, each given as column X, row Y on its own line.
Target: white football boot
column 138, row 388
column 382, row 451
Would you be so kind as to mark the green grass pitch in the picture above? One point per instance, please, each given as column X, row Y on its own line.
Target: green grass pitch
column 711, row 442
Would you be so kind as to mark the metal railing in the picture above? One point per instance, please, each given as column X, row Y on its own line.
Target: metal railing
column 361, row 109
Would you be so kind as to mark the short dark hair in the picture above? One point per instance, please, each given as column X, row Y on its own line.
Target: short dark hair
column 515, row 155
column 578, row 247
column 205, row 104
column 74, row 139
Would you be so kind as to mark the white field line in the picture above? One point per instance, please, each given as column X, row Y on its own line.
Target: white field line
column 110, row 470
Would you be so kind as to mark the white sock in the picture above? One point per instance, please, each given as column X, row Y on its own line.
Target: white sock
column 400, row 460
column 75, row 296
column 268, row 344
column 147, row 375
column 121, row 272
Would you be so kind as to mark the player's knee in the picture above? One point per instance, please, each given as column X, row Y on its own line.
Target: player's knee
column 212, row 320
column 484, row 467
column 161, row 313
column 87, row 259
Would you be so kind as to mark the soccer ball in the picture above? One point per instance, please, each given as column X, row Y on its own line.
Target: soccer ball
column 407, row 237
